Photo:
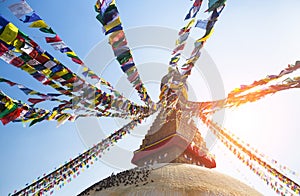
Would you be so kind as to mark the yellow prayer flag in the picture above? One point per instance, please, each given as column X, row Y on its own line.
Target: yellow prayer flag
column 54, row 85
column 113, row 2
column 62, row 72
column 18, row 44
column 98, row 5
column 190, row 24
column 113, row 24
column 38, row 24
column 9, row 33
column 69, row 85
column 54, row 113
column 46, row 72
column 72, row 53
column 28, row 68
column 44, row 55
column 17, row 50
column 33, row 92
column 192, row 60
column 62, row 119
column 9, row 104
column 113, row 35
column 56, row 61
column 85, row 68
column 203, row 39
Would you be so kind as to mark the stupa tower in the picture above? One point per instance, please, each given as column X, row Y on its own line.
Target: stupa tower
column 173, row 136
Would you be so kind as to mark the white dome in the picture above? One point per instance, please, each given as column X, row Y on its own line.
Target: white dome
column 170, row 179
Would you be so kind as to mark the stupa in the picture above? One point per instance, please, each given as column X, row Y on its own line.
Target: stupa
column 173, row 158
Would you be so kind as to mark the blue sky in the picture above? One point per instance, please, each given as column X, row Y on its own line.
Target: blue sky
column 252, row 39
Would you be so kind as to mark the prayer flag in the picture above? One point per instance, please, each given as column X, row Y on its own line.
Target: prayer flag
column 214, row 4
column 35, row 101
column 20, row 9
column 117, row 28
column 9, row 34
column 32, row 18
column 3, row 48
column 47, row 30
column 53, row 39
column 58, row 45
column 11, row 116
column 116, row 22
column 3, row 22
column 127, row 66
column 201, row 24
column 206, row 36
column 38, row 24
column 124, row 57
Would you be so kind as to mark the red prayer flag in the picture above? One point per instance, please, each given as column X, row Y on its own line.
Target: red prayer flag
column 3, row 49
column 35, row 101
column 42, row 59
column 53, row 39
column 197, row 3
column 17, row 62
column 180, row 47
column 78, row 61
column 11, row 116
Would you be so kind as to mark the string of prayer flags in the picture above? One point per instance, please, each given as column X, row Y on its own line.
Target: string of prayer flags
column 236, row 101
column 264, row 81
column 42, row 66
column 13, row 110
column 261, row 155
column 37, row 22
column 76, row 166
column 219, row 132
column 184, row 34
column 181, row 42
column 210, row 22
column 269, row 179
column 179, row 46
column 250, row 93
column 108, row 16
column 31, row 66
column 28, row 91
column 256, row 90
column 194, row 10
column 57, row 43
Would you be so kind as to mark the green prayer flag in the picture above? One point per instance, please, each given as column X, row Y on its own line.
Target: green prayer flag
column 124, row 57
column 47, row 30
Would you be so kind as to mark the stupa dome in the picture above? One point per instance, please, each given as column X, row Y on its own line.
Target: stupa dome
column 170, row 179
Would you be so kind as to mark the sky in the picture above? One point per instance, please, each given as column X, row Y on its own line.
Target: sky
column 252, row 39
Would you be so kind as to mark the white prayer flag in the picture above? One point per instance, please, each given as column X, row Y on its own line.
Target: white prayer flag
column 20, row 9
